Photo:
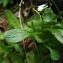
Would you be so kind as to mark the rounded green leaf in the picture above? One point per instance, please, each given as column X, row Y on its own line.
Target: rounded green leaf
column 15, row 35
column 49, row 17
column 55, row 55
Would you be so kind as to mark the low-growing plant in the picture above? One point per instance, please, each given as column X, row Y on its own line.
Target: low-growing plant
column 43, row 29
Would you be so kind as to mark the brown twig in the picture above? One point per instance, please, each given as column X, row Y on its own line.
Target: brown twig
column 20, row 14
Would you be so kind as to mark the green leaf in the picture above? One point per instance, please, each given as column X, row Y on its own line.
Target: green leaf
column 12, row 20
column 1, row 44
column 36, row 19
column 31, row 57
column 58, row 33
column 1, row 47
column 4, row 49
column 49, row 17
column 1, row 1
column 15, row 35
column 55, row 55
column 27, row 28
column 47, row 11
column 57, row 26
column 37, row 38
column 1, row 35
column 19, row 48
column 5, row 3
column 37, row 22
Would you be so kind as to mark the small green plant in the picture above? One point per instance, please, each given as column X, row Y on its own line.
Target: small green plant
column 43, row 28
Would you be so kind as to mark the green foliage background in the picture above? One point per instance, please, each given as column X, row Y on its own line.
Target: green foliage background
column 43, row 28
